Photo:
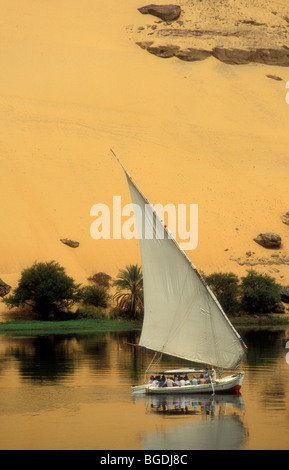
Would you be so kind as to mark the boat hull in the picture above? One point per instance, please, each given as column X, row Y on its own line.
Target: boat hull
column 229, row 384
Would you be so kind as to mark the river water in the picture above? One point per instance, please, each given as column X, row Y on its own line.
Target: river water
column 73, row 392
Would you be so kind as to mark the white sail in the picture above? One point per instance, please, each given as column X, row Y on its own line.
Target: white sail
column 181, row 315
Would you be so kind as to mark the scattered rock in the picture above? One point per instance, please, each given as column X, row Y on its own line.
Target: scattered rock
column 163, row 51
column 233, row 36
column 71, row 243
column 285, row 294
column 274, row 77
column 251, row 22
column 285, row 218
column 4, row 288
column 274, row 260
column 165, row 12
column 268, row 240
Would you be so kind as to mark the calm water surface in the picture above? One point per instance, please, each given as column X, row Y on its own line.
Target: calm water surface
column 73, row 392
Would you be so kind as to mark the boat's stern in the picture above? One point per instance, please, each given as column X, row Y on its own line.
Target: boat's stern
column 139, row 389
column 239, row 381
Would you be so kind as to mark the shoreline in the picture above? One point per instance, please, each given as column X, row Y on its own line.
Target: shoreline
column 38, row 327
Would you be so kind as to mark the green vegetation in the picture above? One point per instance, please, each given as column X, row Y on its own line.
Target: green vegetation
column 129, row 295
column 46, row 289
column 260, row 293
column 39, row 327
column 97, row 296
column 226, row 288
column 254, row 294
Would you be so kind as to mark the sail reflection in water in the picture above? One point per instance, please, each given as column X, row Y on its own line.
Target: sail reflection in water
column 200, row 423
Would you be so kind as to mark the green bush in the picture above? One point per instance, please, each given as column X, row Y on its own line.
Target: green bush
column 256, row 293
column 226, row 289
column 259, row 293
column 89, row 312
column 101, row 279
column 46, row 289
column 95, row 295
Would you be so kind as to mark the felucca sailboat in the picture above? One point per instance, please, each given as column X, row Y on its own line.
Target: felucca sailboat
column 182, row 316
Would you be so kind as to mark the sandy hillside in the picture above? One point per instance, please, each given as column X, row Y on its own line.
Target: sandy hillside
column 74, row 84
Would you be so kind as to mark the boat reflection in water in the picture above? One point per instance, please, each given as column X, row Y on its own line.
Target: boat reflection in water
column 199, row 422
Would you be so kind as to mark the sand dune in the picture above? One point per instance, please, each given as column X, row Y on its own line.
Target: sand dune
column 75, row 84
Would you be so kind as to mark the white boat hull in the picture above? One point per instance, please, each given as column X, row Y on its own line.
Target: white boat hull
column 229, row 384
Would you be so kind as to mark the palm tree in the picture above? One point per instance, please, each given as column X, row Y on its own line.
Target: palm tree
column 129, row 295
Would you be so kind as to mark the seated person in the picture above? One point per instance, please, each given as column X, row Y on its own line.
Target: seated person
column 156, row 381
column 177, row 380
column 162, row 381
column 169, row 382
column 182, row 382
column 187, row 381
column 194, row 381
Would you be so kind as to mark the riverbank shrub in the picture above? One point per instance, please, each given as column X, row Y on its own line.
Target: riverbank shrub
column 95, row 295
column 90, row 312
column 46, row 289
column 260, row 293
column 226, row 288
column 253, row 293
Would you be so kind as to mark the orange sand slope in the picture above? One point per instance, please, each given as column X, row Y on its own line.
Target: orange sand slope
column 75, row 84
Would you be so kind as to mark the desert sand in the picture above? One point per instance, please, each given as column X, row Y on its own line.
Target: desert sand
column 74, row 84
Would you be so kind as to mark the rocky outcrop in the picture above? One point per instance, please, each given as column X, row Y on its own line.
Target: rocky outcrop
column 71, row 243
column 268, row 240
column 276, row 259
column 261, row 55
column 189, row 54
column 285, row 218
column 233, row 32
column 161, row 51
column 228, row 56
column 274, row 77
column 4, row 288
column 165, row 12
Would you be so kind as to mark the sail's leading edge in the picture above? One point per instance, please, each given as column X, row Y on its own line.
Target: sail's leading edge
column 181, row 315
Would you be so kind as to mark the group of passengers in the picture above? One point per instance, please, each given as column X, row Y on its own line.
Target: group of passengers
column 178, row 381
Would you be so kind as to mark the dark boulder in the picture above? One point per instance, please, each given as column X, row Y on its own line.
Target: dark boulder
column 71, row 243
column 268, row 240
column 165, row 12
column 285, row 218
